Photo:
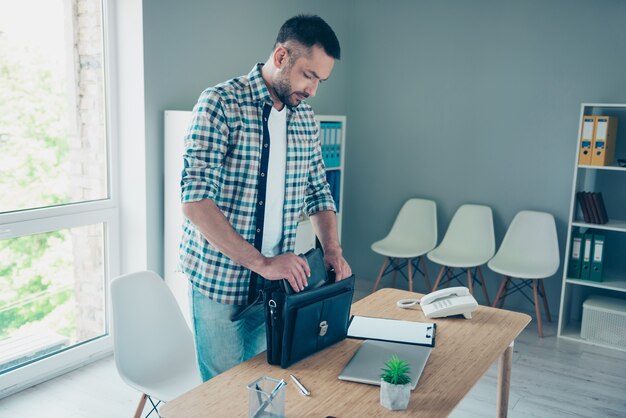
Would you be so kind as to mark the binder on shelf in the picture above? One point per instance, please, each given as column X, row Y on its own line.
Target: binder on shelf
column 586, row 140
column 330, row 137
column 597, row 259
column 582, row 201
column 593, row 211
column 333, row 178
column 604, row 140
column 587, row 249
column 575, row 258
column 598, row 204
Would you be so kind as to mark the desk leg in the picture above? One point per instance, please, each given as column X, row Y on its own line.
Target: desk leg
column 504, row 381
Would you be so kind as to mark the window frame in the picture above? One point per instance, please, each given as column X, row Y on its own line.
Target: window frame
column 103, row 211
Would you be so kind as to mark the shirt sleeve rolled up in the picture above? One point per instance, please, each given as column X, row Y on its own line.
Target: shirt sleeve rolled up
column 206, row 144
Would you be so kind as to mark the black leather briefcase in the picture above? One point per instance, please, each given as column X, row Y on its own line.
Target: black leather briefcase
column 301, row 324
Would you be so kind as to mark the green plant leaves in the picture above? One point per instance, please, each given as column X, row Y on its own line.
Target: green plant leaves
column 396, row 371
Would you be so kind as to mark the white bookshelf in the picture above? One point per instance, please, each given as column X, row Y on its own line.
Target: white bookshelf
column 305, row 238
column 611, row 180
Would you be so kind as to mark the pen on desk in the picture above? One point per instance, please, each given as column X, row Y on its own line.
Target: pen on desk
column 300, row 386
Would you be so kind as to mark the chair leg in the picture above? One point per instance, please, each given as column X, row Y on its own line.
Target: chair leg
column 394, row 273
column 506, row 291
column 537, row 310
column 503, row 283
column 141, row 405
column 450, row 277
column 470, row 282
column 439, row 276
column 426, row 279
column 545, row 300
column 380, row 275
column 410, row 271
column 482, row 281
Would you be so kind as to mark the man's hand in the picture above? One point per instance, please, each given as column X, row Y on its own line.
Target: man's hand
column 334, row 259
column 287, row 266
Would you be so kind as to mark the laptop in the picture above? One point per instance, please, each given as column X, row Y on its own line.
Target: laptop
column 367, row 363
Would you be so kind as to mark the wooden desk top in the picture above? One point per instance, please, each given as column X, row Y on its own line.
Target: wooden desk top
column 464, row 351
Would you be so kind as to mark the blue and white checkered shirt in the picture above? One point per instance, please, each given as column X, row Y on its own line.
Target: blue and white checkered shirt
column 223, row 159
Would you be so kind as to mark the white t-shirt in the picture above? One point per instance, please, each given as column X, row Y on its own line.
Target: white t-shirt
column 275, row 191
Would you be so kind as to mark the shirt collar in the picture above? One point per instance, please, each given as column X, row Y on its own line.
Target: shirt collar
column 257, row 86
column 259, row 90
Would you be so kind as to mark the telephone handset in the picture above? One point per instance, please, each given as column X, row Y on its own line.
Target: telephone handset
column 447, row 302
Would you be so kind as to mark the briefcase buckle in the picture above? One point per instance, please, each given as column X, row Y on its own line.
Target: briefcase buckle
column 323, row 328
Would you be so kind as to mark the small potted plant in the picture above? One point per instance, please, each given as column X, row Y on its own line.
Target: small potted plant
column 395, row 384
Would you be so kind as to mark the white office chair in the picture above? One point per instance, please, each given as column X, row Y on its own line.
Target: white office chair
column 469, row 243
column 154, row 348
column 413, row 234
column 530, row 252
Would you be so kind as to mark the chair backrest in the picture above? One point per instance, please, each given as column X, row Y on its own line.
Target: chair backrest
column 149, row 330
column 532, row 239
column 471, row 232
column 416, row 221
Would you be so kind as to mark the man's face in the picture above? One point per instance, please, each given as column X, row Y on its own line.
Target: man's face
column 299, row 78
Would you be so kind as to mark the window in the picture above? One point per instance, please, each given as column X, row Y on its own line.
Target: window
column 58, row 216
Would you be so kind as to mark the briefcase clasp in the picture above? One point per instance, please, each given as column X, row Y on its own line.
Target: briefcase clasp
column 323, row 328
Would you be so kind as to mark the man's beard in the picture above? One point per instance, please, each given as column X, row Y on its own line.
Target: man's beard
column 282, row 89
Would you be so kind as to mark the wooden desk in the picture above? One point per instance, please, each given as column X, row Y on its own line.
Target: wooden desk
column 464, row 351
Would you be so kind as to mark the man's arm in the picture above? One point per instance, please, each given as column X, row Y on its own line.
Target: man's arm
column 325, row 227
column 216, row 229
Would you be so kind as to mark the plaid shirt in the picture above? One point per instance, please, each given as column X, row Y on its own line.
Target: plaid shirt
column 222, row 162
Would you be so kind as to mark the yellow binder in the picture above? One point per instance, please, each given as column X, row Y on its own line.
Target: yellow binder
column 604, row 140
column 586, row 140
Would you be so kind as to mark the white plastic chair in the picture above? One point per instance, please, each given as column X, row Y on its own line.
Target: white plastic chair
column 413, row 234
column 154, row 348
column 469, row 243
column 530, row 252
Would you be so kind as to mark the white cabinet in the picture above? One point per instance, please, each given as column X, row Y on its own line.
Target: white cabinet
column 176, row 123
column 611, row 182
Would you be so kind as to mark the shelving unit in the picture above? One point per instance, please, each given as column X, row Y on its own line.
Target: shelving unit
column 333, row 150
column 611, row 181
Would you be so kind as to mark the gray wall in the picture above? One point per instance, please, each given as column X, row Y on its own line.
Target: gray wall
column 460, row 102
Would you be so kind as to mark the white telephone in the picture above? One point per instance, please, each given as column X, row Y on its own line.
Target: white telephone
column 447, row 302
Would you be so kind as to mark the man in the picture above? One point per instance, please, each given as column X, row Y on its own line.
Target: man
column 252, row 164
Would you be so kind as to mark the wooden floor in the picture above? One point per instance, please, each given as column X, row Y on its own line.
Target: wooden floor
column 550, row 378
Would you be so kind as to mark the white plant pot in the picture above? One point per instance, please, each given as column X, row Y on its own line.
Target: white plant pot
column 394, row 397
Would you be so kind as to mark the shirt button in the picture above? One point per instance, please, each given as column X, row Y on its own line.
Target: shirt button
column 265, row 145
column 260, row 203
column 258, row 230
column 265, row 119
column 262, row 174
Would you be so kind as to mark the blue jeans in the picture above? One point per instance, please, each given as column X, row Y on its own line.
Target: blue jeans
column 220, row 342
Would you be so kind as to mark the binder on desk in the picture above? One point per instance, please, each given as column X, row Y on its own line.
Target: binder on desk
column 381, row 329
column 575, row 258
column 597, row 258
column 586, row 140
column 604, row 140
column 585, row 268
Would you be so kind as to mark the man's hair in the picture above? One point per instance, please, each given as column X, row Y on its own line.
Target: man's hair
column 310, row 30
